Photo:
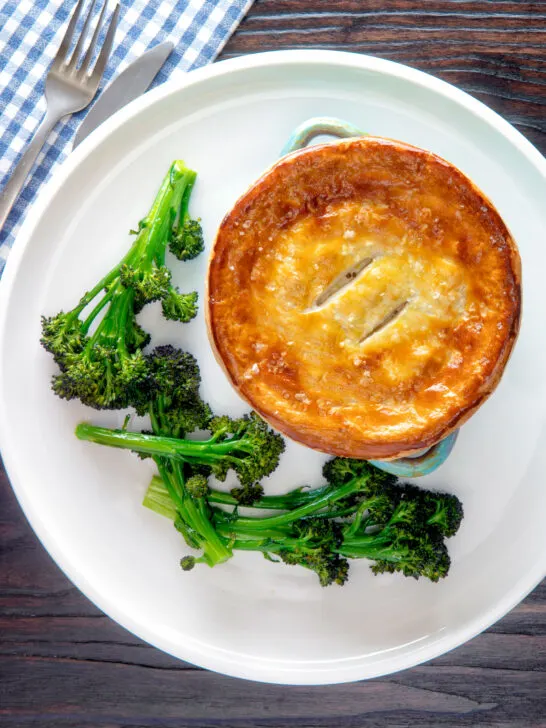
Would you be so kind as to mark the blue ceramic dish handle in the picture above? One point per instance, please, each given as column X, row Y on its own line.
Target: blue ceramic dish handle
column 425, row 462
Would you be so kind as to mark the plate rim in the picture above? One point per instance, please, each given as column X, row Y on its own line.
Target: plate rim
column 229, row 663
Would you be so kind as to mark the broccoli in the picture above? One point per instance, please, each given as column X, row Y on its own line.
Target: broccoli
column 445, row 512
column 178, row 306
column 247, row 495
column 246, row 445
column 187, row 241
column 187, row 563
column 400, row 528
column 197, row 486
column 103, row 368
column 157, row 498
column 251, row 448
column 339, row 471
column 314, row 547
column 170, row 396
column 311, row 544
column 412, row 549
column 360, row 513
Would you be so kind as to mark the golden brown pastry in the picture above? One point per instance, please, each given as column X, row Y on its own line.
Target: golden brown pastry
column 364, row 297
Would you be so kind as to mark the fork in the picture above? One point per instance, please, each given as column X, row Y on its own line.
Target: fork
column 68, row 88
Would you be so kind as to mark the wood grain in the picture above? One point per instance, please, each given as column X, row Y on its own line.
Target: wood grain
column 494, row 49
column 63, row 663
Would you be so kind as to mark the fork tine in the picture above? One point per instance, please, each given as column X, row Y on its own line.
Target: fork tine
column 62, row 53
column 83, row 35
column 91, row 49
column 102, row 60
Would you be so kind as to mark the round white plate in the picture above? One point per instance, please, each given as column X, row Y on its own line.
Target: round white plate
column 251, row 618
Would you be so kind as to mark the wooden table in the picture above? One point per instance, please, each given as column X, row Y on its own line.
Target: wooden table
column 63, row 663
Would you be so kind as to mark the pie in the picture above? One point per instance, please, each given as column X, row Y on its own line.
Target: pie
column 364, row 297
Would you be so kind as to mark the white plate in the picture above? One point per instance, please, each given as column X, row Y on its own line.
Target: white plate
column 251, row 618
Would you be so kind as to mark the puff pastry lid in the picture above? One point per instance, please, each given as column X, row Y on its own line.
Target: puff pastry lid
column 364, row 297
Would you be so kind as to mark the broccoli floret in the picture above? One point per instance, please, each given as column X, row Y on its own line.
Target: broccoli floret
column 311, row 543
column 405, row 513
column 444, row 511
column 103, row 379
column 187, row 240
column 339, row 471
column 220, row 468
column 63, row 336
column 187, row 563
column 174, row 372
column 221, row 425
column 197, row 468
column 137, row 338
column 402, row 535
column 178, row 306
column 149, row 283
column 414, row 556
column 103, row 369
column 330, row 568
column 170, row 394
column 247, row 495
column 197, row 486
column 253, row 448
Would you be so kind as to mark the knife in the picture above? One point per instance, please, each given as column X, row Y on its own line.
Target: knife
column 128, row 85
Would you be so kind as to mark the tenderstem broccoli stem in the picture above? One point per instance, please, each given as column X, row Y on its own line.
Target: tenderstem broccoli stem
column 371, row 546
column 240, row 536
column 274, row 542
column 179, row 207
column 155, row 229
column 105, row 300
column 114, row 323
column 93, row 293
column 185, row 201
column 158, row 499
column 198, row 451
column 374, row 549
column 269, row 502
column 152, row 239
column 257, row 524
column 193, row 513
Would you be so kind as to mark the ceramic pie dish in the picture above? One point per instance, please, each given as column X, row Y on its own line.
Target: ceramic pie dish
column 364, row 297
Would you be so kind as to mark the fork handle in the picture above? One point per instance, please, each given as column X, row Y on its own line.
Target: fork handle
column 15, row 183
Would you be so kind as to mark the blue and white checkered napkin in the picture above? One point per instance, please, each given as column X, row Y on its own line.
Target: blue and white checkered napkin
column 30, row 34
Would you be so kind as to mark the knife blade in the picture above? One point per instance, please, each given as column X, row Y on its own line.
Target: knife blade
column 128, row 85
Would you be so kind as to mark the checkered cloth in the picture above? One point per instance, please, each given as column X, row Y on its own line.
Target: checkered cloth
column 30, row 34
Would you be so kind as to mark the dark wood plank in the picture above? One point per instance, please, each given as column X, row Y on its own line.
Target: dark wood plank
column 63, row 663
